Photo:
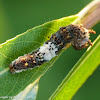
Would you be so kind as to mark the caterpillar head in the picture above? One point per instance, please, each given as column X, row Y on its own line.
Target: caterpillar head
column 81, row 37
column 77, row 35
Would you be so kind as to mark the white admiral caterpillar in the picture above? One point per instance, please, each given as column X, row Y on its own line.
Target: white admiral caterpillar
column 76, row 35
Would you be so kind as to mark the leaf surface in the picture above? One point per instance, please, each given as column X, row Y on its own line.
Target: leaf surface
column 12, row 84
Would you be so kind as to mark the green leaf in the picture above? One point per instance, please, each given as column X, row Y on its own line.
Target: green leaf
column 12, row 84
column 29, row 93
column 79, row 73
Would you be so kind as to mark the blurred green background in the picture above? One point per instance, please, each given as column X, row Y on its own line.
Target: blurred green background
column 17, row 16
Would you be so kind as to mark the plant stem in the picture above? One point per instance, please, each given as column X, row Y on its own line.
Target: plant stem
column 90, row 15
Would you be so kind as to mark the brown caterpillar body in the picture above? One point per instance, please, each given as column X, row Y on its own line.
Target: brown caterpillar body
column 76, row 35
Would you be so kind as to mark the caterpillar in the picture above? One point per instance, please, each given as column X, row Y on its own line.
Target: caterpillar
column 76, row 35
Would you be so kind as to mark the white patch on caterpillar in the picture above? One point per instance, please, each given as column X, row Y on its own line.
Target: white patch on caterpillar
column 18, row 71
column 53, row 49
column 87, row 37
column 48, row 50
column 83, row 41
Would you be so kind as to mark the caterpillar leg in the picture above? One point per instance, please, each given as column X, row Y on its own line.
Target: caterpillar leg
column 89, row 42
column 91, row 31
